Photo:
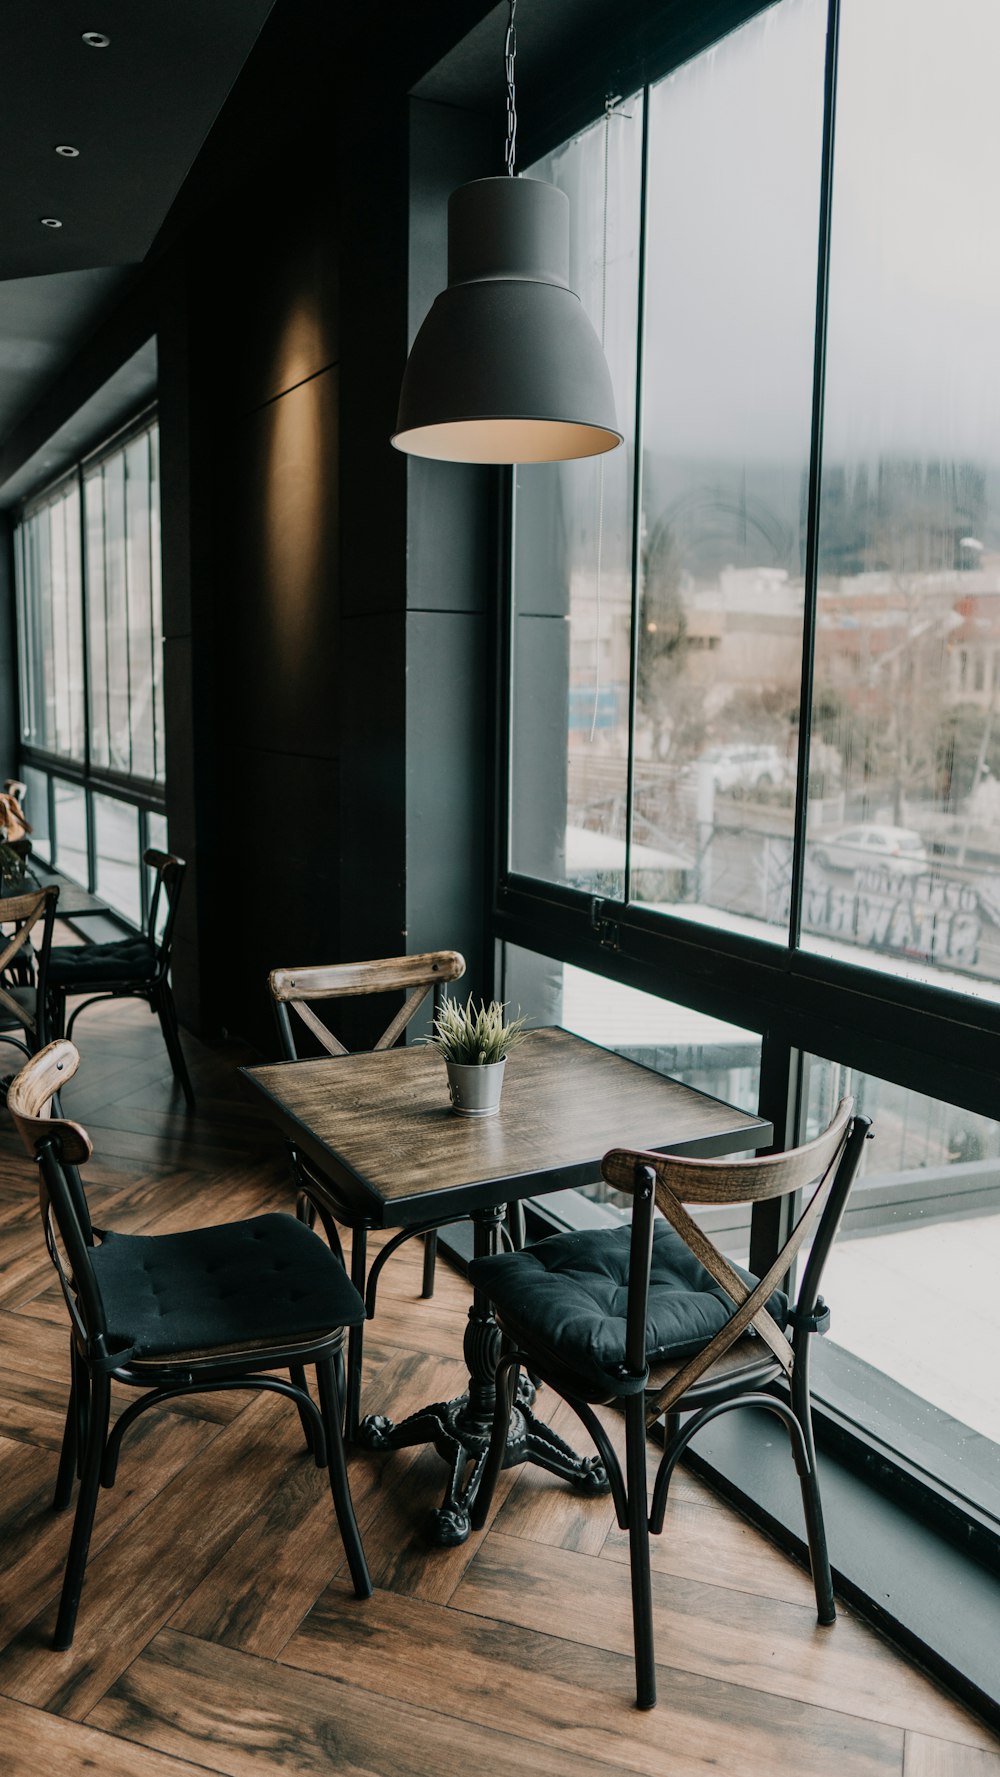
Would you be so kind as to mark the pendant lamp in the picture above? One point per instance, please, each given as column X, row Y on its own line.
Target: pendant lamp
column 507, row 367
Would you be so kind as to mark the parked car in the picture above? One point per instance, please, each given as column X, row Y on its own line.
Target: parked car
column 898, row 849
column 746, row 765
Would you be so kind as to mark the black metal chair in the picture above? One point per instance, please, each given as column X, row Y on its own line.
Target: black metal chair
column 300, row 991
column 26, row 922
column 653, row 1318
column 136, row 967
column 177, row 1314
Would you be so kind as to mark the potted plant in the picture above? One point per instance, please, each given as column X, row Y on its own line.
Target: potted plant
column 475, row 1042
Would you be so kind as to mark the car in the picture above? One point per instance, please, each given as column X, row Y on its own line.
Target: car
column 746, row 765
column 899, row 850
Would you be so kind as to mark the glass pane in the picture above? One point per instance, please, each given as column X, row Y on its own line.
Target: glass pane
column 70, row 850
column 141, row 640
column 156, row 605
column 50, row 625
column 116, row 614
column 36, row 808
column 705, row 1053
column 93, row 495
column 920, row 1244
column 116, row 842
column 733, row 196
column 572, row 556
column 904, row 792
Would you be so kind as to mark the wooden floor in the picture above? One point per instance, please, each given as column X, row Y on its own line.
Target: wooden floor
column 218, row 1631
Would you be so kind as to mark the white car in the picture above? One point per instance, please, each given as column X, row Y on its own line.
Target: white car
column 746, row 765
column 897, row 849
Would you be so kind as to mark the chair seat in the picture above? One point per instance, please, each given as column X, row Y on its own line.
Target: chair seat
column 215, row 1290
column 78, row 966
column 565, row 1299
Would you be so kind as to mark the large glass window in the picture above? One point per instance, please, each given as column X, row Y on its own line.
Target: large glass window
column 801, row 566
column 90, row 651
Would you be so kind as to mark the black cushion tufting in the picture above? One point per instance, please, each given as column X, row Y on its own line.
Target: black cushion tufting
column 78, row 965
column 269, row 1278
column 568, row 1296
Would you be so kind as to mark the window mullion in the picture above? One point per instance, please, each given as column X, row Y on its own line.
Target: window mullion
column 811, row 589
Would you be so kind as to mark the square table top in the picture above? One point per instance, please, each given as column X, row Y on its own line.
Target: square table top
column 380, row 1124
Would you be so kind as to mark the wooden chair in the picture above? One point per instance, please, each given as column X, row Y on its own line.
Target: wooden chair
column 698, row 1335
column 136, row 967
column 299, row 991
column 24, row 967
column 176, row 1314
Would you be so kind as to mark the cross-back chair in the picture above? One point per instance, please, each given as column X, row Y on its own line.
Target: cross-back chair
column 295, row 994
column 697, row 1336
column 134, row 967
column 174, row 1314
column 25, row 953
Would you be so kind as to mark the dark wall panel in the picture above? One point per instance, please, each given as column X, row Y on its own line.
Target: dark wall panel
column 277, row 545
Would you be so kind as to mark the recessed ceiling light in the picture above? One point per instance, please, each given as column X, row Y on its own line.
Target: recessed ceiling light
column 51, row 222
column 96, row 39
column 67, row 152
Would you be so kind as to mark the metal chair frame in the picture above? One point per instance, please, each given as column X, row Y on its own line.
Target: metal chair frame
column 298, row 990
column 828, row 1166
column 156, row 989
column 90, row 1446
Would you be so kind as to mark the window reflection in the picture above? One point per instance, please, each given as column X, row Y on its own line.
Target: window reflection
column 904, row 790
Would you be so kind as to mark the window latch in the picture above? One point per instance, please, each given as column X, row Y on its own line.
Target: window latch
column 607, row 930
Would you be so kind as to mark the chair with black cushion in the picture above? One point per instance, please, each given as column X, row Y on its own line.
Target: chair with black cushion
column 652, row 1318
column 26, row 922
column 137, row 966
column 299, row 991
column 175, row 1314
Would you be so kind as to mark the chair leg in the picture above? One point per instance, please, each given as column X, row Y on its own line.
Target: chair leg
column 69, row 1454
column 298, row 1377
column 430, row 1264
column 356, row 1335
column 163, row 1006
column 339, row 1484
column 638, row 1542
column 812, row 1506
column 86, row 1506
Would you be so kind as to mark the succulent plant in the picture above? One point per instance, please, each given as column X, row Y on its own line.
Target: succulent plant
column 476, row 1035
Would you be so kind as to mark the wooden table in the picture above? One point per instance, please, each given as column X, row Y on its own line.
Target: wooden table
column 380, row 1126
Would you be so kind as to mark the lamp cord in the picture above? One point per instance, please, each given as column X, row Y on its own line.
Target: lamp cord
column 510, row 51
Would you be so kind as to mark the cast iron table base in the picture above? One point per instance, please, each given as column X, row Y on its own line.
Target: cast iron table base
column 460, row 1429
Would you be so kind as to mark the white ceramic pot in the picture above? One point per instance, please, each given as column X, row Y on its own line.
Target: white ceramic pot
column 475, row 1091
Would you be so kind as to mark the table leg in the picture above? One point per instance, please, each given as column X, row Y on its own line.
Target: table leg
column 460, row 1429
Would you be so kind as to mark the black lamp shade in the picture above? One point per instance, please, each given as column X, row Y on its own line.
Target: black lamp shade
column 507, row 368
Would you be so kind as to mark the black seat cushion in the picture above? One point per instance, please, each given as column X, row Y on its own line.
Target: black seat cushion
column 567, row 1297
column 80, row 965
column 225, row 1288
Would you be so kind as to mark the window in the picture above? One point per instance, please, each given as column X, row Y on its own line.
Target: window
column 776, row 801
column 90, row 651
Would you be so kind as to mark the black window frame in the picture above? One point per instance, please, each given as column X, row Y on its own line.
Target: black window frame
column 921, row 1036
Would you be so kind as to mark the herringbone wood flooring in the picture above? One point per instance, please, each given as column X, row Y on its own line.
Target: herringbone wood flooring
column 218, row 1631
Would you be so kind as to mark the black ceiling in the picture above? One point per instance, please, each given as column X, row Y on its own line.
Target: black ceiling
column 138, row 111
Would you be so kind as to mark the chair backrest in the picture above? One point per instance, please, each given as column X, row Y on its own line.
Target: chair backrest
column 168, row 880
column 60, row 1147
column 298, row 990
column 824, row 1168
column 12, row 816
column 26, row 913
